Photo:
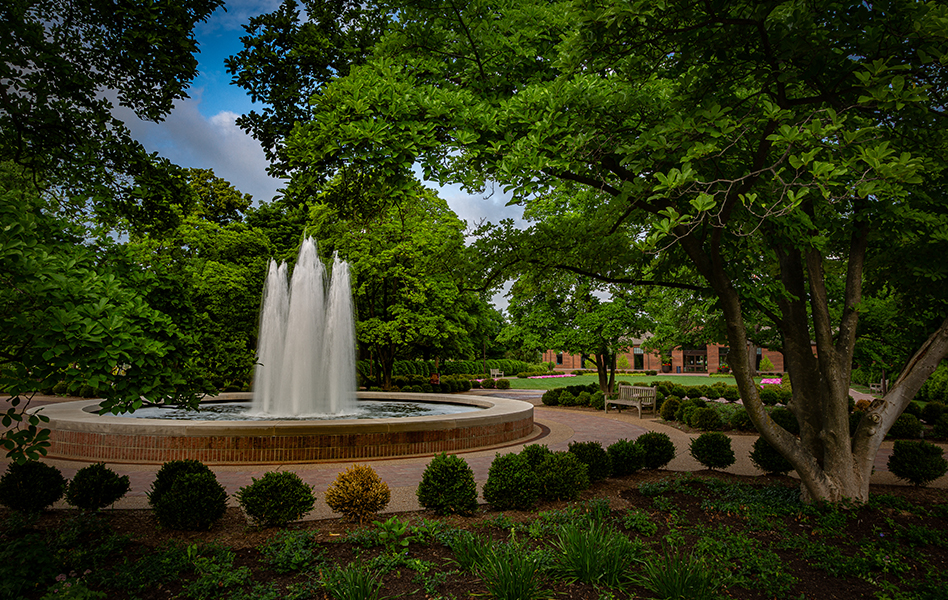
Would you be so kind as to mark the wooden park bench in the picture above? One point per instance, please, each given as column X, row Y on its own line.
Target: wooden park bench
column 496, row 373
column 639, row 397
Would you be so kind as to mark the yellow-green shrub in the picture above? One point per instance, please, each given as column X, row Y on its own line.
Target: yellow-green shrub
column 357, row 493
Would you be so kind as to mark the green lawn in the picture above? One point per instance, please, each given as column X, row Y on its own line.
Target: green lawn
column 555, row 382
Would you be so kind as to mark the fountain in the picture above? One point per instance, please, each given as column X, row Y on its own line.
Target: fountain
column 306, row 353
column 306, row 369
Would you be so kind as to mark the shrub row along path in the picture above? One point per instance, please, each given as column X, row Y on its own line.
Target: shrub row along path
column 556, row 428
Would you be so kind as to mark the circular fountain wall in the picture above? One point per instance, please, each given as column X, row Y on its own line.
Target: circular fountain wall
column 77, row 433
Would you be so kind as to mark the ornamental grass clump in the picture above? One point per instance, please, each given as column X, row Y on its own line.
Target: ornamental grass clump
column 277, row 498
column 357, row 493
column 595, row 553
column 31, row 487
column 919, row 463
column 713, row 450
column 96, row 486
column 447, row 486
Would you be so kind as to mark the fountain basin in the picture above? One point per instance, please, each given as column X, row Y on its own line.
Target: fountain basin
column 77, row 433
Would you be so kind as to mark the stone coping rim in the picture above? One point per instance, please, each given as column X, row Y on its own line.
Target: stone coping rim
column 76, row 416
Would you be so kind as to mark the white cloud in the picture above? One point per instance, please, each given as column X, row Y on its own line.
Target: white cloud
column 189, row 139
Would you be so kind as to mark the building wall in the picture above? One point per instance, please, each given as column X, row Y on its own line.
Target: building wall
column 653, row 362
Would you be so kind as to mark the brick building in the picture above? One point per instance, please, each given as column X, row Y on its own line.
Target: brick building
column 701, row 359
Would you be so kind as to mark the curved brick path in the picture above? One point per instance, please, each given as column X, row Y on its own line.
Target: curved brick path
column 557, row 427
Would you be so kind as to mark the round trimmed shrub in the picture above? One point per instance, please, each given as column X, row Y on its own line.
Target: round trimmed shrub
column 567, row 398
column 713, row 450
column 919, row 463
column 786, row 419
column 598, row 400
column 906, row 427
column 447, row 486
column 594, row 456
column 551, row 397
column 771, row 395
column 31, row 487
column 535, row 454
column 193, row 502
column 914, row 409
column 562, row 476
column 657, row 449
column 685, row 407
column 277, row 498
column 694, row 391
column 932, row 411
column 731, row 393
column 168, row 473
column 706, row 419
column 96, row 486
column 357, row 493
column 511, row 483
column 626, row 457
column 670, row 408
column 940, row 429
column 741, row 421
column 488, row 384
column 766, row 458
column 583, row 398
column 503, row 384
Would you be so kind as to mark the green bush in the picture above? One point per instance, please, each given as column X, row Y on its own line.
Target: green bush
column 906, row 427
column 567, row 398
column 193, row 502
column 583, row 398
column 447, row 486
column 657, row 449
column 685, row 408
column 31, row 487
column 940, row 429
column 96, row 486
column 551, row 397
column 503, row 384
column 706, row 419
column 594, row 456
column 488, row 384
column 357, row 493
column 277, row 498
column 562, row 476
column 731, row 393
column 917, row 462
column 713, row 450
column 786, row 419
column 914, row 409
column 670, row 408
column 694, row 391
column 598, row 400
column 932, row 411
column 771, row 395
column 511, row 483
column 766, row 458
column 535, row 454
column 741, row 421
column 626, row 457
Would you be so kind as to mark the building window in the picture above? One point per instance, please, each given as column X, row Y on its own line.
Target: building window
column 559, row 358
column 638, row 359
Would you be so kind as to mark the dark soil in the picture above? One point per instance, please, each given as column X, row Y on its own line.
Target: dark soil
column 855, row 534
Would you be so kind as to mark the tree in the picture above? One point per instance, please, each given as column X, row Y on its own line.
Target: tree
column 405, row 256
column 772, row 146
column 73, row 303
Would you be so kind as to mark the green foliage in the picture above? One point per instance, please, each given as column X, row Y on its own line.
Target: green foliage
column 706, row 419
column 535, row 454
column 512, row 481
column 594, row 456
column 678, row 575
column 932, row 411
column 640, row 522
column 503, row 384
column 567, row 399
column 766, row 458
column 194, row 501
column 470, row 550
column 766, row 365
column 447, row 486
column 713, row 450
column 562, row 476
column 276, row 499
column 919, row 463
column 906, row 427
column 597, row 400
column 357, row 493
column 31, row 487
column 96, row 486
column 626, row 457
column 167, row 475
column 657, row 449
column 511, row 572
column 786, row 419
column 771, row 395
column 352, row 582
column 940, row 429
column 595, row 553
column 670, row 408
column 291, row 551
column 551, row 397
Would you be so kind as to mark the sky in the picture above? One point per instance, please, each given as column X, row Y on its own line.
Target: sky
column 201, row 131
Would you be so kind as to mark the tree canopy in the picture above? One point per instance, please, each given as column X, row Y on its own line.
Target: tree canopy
column 774, row 148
